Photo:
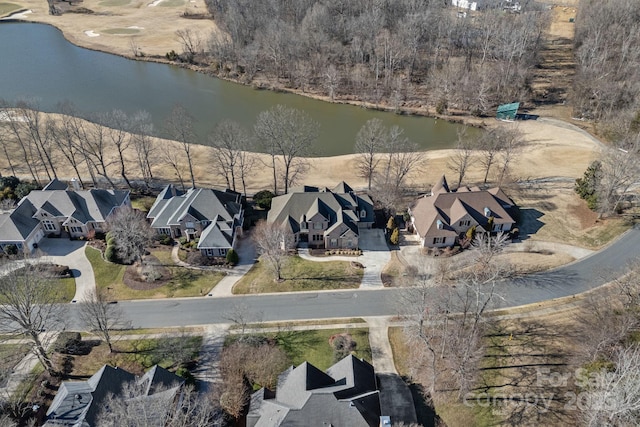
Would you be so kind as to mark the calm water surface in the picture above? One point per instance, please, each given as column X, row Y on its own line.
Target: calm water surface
column 37, row 62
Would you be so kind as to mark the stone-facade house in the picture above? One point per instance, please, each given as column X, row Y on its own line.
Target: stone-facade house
column 214, row 217
column 59, row 210
column 322, row 217
column 441, row 218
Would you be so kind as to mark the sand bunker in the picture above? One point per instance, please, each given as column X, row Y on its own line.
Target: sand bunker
column 17, row 15
column 91, row 33
column 155, row 3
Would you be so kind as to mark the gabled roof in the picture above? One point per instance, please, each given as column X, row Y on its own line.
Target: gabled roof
column 18, row 224
column 79, row 403
column 218, row 234
column 295, row 207
column 451, row 207
column 346, row 395
column 441, row 186
column 84, row 205
column 55, row 184
column 171, row 206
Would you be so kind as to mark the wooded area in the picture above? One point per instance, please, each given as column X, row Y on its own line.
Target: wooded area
column 401, row 53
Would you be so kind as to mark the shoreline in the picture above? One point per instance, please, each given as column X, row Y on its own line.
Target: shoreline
column 458, row 117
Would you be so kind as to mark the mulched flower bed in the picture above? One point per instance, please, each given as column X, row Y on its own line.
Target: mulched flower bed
column 133, row 280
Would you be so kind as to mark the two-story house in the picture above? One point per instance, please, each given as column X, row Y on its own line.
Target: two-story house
column 322, row 217
column 214, row 217
column 442, row 217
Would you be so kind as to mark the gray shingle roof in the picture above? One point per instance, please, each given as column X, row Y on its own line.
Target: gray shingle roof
column 203, row 204
column 295, row 207
column 18, row 224
column 84, row 205
column 79, row 403
column 346, row 395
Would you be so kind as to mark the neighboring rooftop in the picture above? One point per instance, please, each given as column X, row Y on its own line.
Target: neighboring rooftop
column 345, row 395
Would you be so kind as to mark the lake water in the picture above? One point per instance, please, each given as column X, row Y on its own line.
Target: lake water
column 36, row 61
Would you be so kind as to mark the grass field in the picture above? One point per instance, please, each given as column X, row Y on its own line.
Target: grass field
column 314, row 347
column 8, row 8
column 133, row 355
column 184, row 283
column 300, row 275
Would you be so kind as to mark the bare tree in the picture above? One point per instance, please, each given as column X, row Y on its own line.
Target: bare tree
column 101, row 316
column 93, row 140
column 489, row 145
column 287, row 134
column 142, row 129
column 620, row 170
column 370, row 142
column 117, row 124
column 30, row 306
column 246, row 163
column 134, row 407
column 191, row 43
column 131, row 232
column 613, row 396
column 460, row 161
column 179, row 126
column 273, row 242
column 171, row 156
column 241, row 315
column 65, row 138
column 511, row 142
column 229, row 140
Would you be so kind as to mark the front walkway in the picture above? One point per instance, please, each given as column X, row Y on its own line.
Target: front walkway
column 375, row 256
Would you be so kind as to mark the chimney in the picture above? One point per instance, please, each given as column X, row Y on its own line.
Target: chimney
column 75, row 185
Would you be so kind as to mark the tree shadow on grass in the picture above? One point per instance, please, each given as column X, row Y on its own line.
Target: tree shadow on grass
column 295, row 343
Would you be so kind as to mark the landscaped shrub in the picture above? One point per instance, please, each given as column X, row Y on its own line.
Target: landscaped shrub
column 263, row 199
column 69, row 343
column 391, row 223
column 182, row 240
column 232, row 257
column 343, row 345
column 164, row 239
column 111, row 254
column 395, row 236
column 11, row 250
column 189, row 379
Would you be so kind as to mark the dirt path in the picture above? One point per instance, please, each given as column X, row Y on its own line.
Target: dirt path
column 554, row 77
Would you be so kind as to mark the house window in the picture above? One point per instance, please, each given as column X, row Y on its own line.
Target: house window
column 334, row 243
column 303, row 225
column 166, row 231
column 76, row 229
column 349, row 243
column 205, row 223
column 317, row 238
column 208, row 252
column 497, row 227
column 222, row 252
column 190, row 224
column 49, row 225
column 363, row 213
column 465, row 223
column 438, row 240
column 317, row 226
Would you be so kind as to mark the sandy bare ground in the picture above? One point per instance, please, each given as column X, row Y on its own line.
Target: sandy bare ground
column 153, row 28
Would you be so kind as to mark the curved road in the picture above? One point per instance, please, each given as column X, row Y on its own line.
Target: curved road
column 575, row 278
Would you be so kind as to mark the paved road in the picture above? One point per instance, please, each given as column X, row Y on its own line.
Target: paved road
column 586, row 274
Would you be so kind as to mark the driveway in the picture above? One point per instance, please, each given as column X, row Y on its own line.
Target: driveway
column 70, row 253
column 247, row 257
column 375, row 255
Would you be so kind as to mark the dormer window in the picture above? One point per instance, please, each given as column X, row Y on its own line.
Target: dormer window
column 363, row 213
column 487, row 212
column 439, row 224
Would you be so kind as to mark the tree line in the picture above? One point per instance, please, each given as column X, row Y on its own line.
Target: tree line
column 115, row 148
column 397, row 52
